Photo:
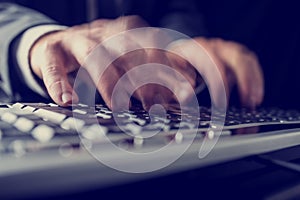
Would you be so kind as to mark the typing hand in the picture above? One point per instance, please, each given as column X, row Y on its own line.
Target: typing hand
column 236, row 64
column 55, row 55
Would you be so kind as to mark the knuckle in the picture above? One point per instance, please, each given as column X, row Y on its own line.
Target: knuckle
column 52, row 70
column 51, row 74
column 133, row 21
column 133, row 18
column 99, row 23
column 216, row 43
column 51, row 42
column 251, row 59
column 253, row 56
column 45, row 48
column 88, row 50
column 76, row 28
column 236, row 47
column 219, row 41
column 51, row 86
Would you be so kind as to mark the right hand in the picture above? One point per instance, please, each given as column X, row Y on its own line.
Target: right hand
column 57, row 54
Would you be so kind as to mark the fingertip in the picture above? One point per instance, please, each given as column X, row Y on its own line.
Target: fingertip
column 251, row 102
column 220, row 103
column 254, row 98
column 66, row 98
column 220, row 96
column 120, row 104
column 146, row 105
column 110, row 106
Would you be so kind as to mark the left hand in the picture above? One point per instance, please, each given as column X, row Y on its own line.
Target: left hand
column 236, row 64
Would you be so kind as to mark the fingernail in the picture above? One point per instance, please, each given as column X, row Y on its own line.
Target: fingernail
column 66, row 97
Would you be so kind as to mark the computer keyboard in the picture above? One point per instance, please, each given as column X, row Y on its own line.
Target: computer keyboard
column 31, row 127
column 60, row 149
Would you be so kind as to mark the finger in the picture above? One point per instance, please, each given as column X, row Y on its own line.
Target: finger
column 57, row 84
column 82, row 48
column 114, row 88
column 183, row 67
column 151, row 94
column 179, row 76
column 186, row 77
column 50, row 62
column 247, row 71
column 97, row 62
column 159, row 85
column 105, row 74
column 129, row 55
column 124, row 23
column 211, row 71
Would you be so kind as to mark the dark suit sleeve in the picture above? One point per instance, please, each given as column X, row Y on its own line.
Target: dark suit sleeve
column 14, row 20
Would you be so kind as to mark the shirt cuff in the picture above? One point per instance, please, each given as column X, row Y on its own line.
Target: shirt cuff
column 28, row 38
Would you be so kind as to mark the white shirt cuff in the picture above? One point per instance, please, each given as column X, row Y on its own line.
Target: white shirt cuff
column 26, row 41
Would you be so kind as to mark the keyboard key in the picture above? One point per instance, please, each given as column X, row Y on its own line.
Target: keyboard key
column 82, row 112
column 43, row 133
column 94, row 132
column 18, row 106
column 23, row 124
column 133, row 128
column 50, row 115
column 72, row 123
column 29, row 109
column 9, row 117
column 140, row 122
column 103, row 115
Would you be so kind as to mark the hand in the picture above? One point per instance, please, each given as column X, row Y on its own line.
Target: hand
column 55, row 55
column 236, row 64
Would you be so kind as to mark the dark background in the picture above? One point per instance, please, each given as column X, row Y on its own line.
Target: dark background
column 269, row 28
